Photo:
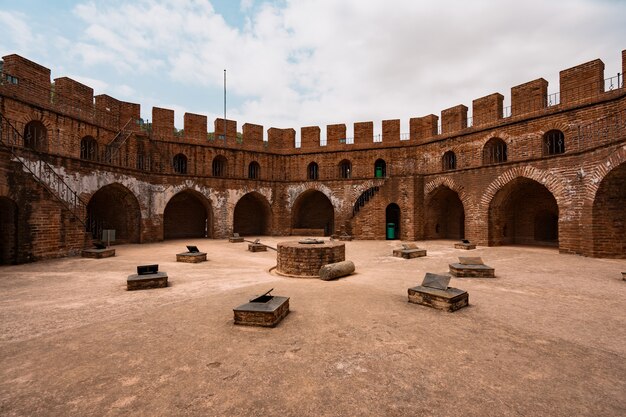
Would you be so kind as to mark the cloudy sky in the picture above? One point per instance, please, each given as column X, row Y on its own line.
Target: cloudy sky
column 294, row 63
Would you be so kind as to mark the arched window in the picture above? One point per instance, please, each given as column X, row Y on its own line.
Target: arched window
column 88, row 148
column 180, row 164
column 553, row 142
column 494, row 152
column 219, row 166
column 448, row 161
column 254, row 170
column 313, row 171
column 380, row 168
column 345, row 169
column 35, row 135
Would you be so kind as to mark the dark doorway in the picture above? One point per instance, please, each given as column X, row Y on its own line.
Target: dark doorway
column 187, row 215
column 609, row 215
column 253, row 216
column 380, row 168
column 8, row 224
column 116, row 207
column 313, row 210
column 445, row 215
column 392, row 222
column 523, row 212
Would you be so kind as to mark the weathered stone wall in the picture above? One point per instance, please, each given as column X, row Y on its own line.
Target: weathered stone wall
column 583, row 185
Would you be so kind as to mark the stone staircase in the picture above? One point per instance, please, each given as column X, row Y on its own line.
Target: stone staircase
column 365, row 196
column 12, row 141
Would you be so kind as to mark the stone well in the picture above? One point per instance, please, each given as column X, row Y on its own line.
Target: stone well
column 304, row 258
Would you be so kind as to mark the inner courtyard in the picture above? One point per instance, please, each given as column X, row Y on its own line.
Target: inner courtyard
column 545, row 337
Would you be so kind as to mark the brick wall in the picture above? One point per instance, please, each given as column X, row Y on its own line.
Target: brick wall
column 538, row 197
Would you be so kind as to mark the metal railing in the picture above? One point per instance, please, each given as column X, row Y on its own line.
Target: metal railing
column 13, row 142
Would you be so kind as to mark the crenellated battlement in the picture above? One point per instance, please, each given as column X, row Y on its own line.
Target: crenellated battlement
column 28, row 81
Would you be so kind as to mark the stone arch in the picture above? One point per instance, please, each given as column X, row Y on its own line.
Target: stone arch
column 9, row 212
column 525, row 212
column 614, row 159
column 313, row 212
column 609, row 215
column 555, row 185
column 444, row 214
column 252, row 215
column 116, row 207
column 452, row 185
column 187, row 214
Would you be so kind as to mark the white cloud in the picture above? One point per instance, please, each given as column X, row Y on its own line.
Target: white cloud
column 296, row 63
column 17, row 33
column 245, row 5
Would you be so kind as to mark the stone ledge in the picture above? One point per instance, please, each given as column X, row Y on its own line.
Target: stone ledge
column 450, row 300
column 191, row 257
column 142, row 282
column 98, row 253
column 471, row 271
column 257, row 247
column 465, row 246
column 409, row 253
column 267, row 314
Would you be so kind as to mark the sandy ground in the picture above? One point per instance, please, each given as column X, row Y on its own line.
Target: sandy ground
column 546, row 337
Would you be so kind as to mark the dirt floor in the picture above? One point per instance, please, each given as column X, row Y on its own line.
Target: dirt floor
column 546, row 337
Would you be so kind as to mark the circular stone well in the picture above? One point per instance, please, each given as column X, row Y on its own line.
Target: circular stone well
column 303, row 259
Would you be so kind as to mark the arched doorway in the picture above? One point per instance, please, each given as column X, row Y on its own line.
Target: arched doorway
column 445, row 215
column 187, row 215
column 380, row 168
column 313, row 210
column 8, row 224
column 523, row 212
column 609, row 215
column 392, row 222
column 116, row 207
column 253, row 215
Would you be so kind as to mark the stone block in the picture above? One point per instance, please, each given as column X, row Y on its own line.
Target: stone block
column 265, row 311
column 146, row 281
column 257, row 247
column 235, row 238
column 191, row 257
column 460, row 270
column 409, row 251
column 465, row 246
column 450, row 299
column 98, row 253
